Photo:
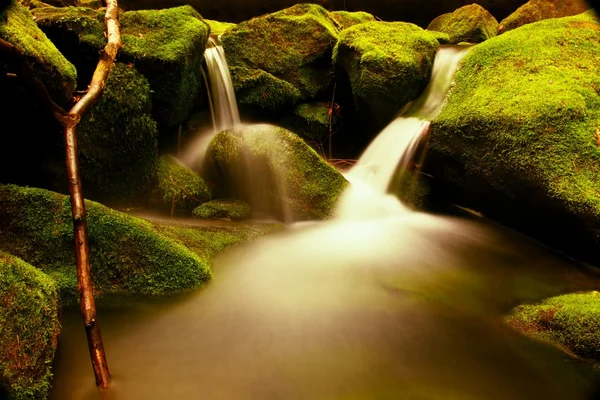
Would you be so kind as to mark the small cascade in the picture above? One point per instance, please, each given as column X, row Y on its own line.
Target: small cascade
column 393, row 150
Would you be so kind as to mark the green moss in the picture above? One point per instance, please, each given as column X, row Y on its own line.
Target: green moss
column 310, row 121
column 471, row 23
column 118, row 141
column 571, row 321
column 346, row 19
column 217, row 27
column 180, row 186
column 388, row 64
column 256, row 87
column 49, row 65
column 442, row 38
column 166, row 46
column 293, row 45
column 274, row 171
column 537, row 10
column 127, row 253
column 29, row 328
column 236, row 210
column 523, row 120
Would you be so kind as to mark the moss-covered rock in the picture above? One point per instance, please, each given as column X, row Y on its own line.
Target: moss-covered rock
column 537, row 10
column 387, row 63
column 280, row 58
column 346, row 19
column 519, row 136
column 472, row 23
column 166, row 46
column 127, row 253
column 275, row 171
column 572, row 321
column 29, row 328
column 218, row 27
column 49, row 65
column 310, row 121
column 235, row 210
column 179, row 186
column 117, row 142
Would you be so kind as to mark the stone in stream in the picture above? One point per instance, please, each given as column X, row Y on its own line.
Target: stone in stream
column 472, row 23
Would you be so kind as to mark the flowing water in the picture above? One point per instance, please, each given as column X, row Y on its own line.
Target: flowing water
column 394, row 304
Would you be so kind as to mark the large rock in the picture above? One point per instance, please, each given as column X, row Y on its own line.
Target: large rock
column 346, row 19
column 117, row 143
column 273, row 170
column 387, row 64
column 29, row 328
column 471, row 23
column 519, row 137
column 166, row 46
column 537, row 10
column 281, row 58
column 127, row 253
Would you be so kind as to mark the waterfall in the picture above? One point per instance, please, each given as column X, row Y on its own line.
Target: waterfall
column 392, row 152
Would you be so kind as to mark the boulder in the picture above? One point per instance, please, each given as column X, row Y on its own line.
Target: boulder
column 29, row 327
column 387, row 64
column 127, row 254
column 281, row 58
column 178, row 186
column 273, row 170
column 166, row 46
column 235, row 210
column 537, row 10
column 217, row 27
column 472, row 23
column 346, row 19
column 518, row 139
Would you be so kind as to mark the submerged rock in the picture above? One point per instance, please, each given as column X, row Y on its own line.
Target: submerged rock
column 29, row 328
column 537, row 10
column 275, row 171
column 179, row 186
column 519, row 137
column 281, row 58
column 387, row 64
column 472, row 23
column 166, row 46
column 126, row 253
column 571, row 321
column 235, row 210
column 346, row 19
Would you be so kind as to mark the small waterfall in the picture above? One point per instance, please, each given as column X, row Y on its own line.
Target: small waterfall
column 392, row 152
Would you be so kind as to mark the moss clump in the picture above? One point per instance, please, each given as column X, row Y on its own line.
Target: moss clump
column 346, row 19
column 537, row 10
column 235, row 210
column 127, row 253
column 292, row 47
column 311, row 122
column 29, row 328
column 518, row 137
column 571, row 321
column 388, row 64
column 166, row 46
column 49, row 65
column 472, row 23
column 275, row 171
column 118, row 142
column 179, row 186
column 217, row 27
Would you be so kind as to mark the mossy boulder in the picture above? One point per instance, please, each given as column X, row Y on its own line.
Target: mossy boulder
column 387, row 64
column 29, row 328
column 49, row 65
column 281, row 58
column 235, row 210
column 126, row 253
column 273, row 170
column 472, row 23
column 572, row 321
column 346, row 19
column 178, row 186
column 537, row 10
column 117, row 139
column 518, row 138
column 310, row 121
column 218, row 27
column 166, row 46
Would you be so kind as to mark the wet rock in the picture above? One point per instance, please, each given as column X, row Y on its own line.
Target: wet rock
column 472, row 23
column 537, row 10
column 178, row 186
column 235, row 210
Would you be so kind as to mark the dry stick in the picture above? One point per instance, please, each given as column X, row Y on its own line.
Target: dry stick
column 82, row 251
column 331, row 109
